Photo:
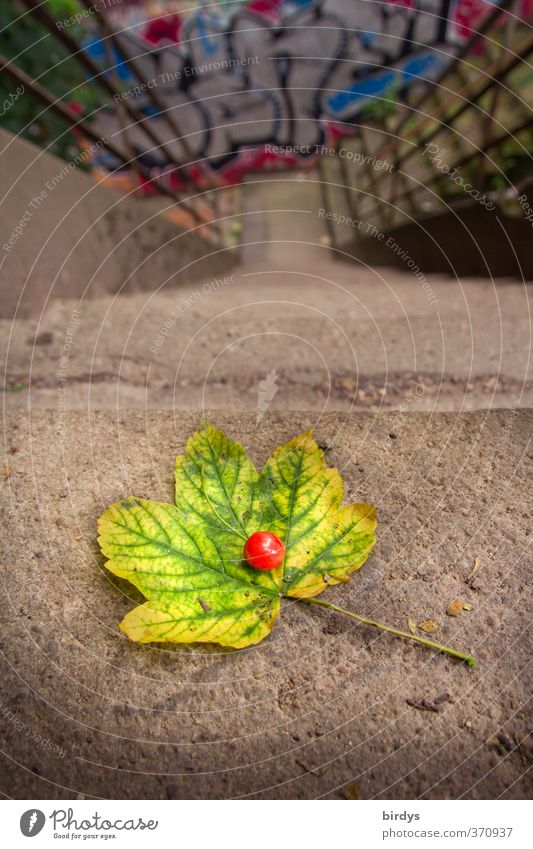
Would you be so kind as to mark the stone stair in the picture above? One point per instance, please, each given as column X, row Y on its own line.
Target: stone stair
column 103, row 388
column 338, row 337
column 333, row 335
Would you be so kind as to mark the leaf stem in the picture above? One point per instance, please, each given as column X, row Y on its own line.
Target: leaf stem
column 468, row 659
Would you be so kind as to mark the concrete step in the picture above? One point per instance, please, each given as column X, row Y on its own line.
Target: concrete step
column 64, row 235
column 322, row 703
column 330, row 335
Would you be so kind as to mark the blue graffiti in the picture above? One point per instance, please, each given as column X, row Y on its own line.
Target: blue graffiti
column 361, row 90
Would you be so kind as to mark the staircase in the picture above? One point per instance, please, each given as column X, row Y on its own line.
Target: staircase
column 336, row 333
column 111, row 366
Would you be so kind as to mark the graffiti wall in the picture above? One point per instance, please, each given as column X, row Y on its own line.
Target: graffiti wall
column 264, row 85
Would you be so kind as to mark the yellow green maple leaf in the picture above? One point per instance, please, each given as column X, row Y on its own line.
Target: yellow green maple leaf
column 187, row 558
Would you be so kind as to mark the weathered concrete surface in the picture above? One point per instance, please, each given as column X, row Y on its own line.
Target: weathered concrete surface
column 69, row 236
column 337, row 335
column 322, row 703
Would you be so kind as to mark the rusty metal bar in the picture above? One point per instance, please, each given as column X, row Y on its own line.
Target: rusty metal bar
column 74, row 121
column 488, row 124
column 55, row 105
column 133, row 66
column 212, row 181
column 393, row 148
column 44, row 17
column 499, row 74
column 121, row 111
column 528, row 122
column 390, row 147
column 450, row 69
column 502, row 73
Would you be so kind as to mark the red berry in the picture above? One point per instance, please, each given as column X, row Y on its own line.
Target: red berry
column 264, row 550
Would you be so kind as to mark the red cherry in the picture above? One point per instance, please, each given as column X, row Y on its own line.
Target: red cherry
column 264, row 550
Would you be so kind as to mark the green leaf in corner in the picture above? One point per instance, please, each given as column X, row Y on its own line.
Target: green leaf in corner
column 187, row 559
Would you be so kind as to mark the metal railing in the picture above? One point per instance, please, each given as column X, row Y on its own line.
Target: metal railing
column 468, row 116
column 202, row 207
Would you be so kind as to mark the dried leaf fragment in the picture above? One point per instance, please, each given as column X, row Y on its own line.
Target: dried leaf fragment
column 351, row 791
column 422, row 704
column 429, row 626
column 455, row 608
column 474, row 571
column 411, row 625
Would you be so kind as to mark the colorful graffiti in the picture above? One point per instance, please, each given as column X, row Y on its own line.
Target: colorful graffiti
column 239, row 80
